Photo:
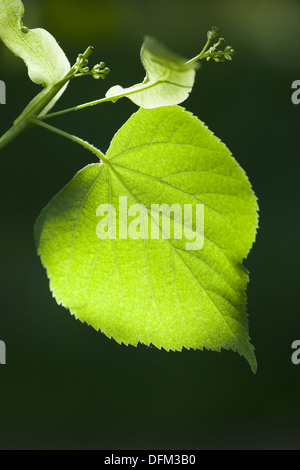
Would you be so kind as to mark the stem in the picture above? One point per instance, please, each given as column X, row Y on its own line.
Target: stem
column 37, row 105
column 200, row 55
column 71, row 137
column 135, row 89
column 80, row 106
column 204, row 54
column 12, row 133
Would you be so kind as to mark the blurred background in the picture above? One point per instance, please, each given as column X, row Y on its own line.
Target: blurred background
column 67, row 386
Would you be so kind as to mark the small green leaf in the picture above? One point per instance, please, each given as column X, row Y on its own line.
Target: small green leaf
column 45, row 60
column 169, row 80
column 156, row 291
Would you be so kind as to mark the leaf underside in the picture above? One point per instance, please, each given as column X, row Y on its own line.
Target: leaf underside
column 46, row 62
column 156, row 291
column 169, row 79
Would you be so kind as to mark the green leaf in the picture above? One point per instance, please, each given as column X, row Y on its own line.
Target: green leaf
column 45, row 60
column 156, row 291
column 169, row 80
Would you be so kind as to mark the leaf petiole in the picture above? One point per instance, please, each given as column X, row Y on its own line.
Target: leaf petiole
column 71, row 137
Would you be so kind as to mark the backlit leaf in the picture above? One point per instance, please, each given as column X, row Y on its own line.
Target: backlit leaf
column 45, row 60
column 169, row 80
column 156, row 291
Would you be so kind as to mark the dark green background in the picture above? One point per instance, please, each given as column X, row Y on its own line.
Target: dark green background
column 67, row 386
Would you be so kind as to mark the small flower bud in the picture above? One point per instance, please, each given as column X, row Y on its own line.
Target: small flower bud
column 213, row 33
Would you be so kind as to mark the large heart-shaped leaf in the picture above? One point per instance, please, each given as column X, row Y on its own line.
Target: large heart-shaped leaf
column 144, row 289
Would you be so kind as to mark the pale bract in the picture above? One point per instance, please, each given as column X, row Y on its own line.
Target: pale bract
column 156, row 291
column 46, row 62
column 169, row 79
